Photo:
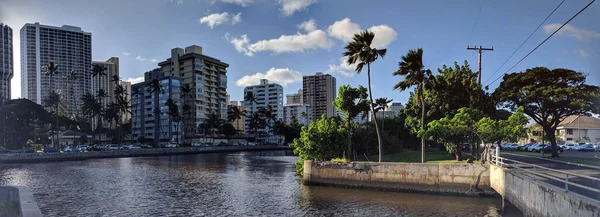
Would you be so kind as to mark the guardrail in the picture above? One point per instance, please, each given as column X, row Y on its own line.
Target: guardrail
column 534, row 170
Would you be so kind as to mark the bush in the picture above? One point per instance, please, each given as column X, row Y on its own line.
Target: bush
column 340, row 160
column 323, row 140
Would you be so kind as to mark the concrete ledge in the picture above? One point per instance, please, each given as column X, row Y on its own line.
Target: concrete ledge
column 447, row 179
column 555, row 161
column 18, row 201
column 71, row 156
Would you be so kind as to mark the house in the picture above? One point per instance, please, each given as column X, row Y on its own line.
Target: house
column 573, row 129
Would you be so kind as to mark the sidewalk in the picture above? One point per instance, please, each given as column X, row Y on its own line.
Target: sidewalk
column 555, row 161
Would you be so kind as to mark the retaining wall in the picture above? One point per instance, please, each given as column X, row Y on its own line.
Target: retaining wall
column 18, row 201
column 536, row 198
column 455, row 179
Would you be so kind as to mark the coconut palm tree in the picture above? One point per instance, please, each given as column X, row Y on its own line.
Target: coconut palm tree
column 54, row 101
column 175, row 116
column 382, row 104
column 155, row 88
column 213, row 122
column 359, row 52
column 122, row 105
column 187, row 92
column 414, row 72
column 138, row 92
column 50, row 69
column 71, row 77
column 91, row 107
column 98, row 71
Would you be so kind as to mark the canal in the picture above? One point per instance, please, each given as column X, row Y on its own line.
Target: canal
column 221, row 184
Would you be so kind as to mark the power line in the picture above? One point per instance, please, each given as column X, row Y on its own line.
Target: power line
column 538, row 27
column 476, row 20
column 546, row 39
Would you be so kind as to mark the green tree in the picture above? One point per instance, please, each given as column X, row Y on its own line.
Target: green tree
column 322, row 140
column 22, row 120
column 352, row 102
column 360, row 52
column 187, row 97
column 549, row 96
column 50, row 70
column 213, row 123
column 455, row 130
column 382, row 104
column 71, row 77
column 91, row 107
column 495, row 131
column 155, row 88
column 175, row 116
column 415, row 74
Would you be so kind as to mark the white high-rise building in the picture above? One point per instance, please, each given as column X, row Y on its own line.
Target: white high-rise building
column 294, row 107
column 70, row 48
column 266, row 94
column 6, row 60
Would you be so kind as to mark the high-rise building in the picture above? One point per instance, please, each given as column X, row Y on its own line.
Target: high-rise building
column 266, row 94
column 67, row 46
column 319, row 91
column 127, row 86
column 302, row 113
column 239, row 123
column 294, row 98
column 206, row 76
column 390, row 112
column 105, row 81
column 143, row 123
column 6, row 60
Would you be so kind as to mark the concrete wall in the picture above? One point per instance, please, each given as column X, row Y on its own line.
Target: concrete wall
column 538, row 198
column 18, row 201
column 461, row 179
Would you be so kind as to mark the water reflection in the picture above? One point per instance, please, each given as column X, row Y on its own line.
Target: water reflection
column 235, row 184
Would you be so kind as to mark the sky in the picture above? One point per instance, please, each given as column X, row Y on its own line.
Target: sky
column 282, row 40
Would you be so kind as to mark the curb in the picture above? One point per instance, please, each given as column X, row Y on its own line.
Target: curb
column 555, row 161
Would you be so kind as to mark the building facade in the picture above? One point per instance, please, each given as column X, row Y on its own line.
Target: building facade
column 105, row 82
column 70, row 48
column 302, row 113
column 6, row 60
column 266, row 94
column 239, row 123
column 294, row 98
column 319, row 91
column 127, row 86
column 144, row 122
column 572, row 130
column 207, row 78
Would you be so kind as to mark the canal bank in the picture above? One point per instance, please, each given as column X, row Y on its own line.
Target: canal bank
column 447, row 179
column 72, row 156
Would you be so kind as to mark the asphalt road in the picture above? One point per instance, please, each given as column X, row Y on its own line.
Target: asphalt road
column 563, row 167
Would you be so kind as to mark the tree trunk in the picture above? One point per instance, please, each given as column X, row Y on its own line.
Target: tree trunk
column 374, row 115
column 348, row 154
column 156, row 111
column 422, row 122
column 458, row 153
column 551, row 133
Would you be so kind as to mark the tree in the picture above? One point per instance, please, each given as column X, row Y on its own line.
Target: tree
column 98, row 71
column 155, row 88
column 139, row 92
column 187, row 94
column 213, row 123
column 496, row 131
column 322, row 140
column 50, row 70
column 351, row 101
column 381, row 104
column 360, row 52
column 23, row 120
column 91, row 107
column 453, row 131
column 414, row 72
column 174, row 114
column 54, row 101
column 549, row 96
column 71, row 77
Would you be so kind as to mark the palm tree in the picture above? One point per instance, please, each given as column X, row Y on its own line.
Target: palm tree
column 138, row 92
column 91, row 107
column 234, row 113
column 186, row 92
column 175, row 116
column 414, row 72
column 213, row 122
column 382, row 104
column 122, row 105
column 54, row 101
column 98, row 71
column 50, row 69
column 111, row 114
column 71, row 77
column 156, row 88
column 360, row 52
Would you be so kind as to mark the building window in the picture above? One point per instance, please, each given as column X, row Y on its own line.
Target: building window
column 569, row 131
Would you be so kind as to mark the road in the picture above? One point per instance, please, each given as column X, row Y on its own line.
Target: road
column 563, row 167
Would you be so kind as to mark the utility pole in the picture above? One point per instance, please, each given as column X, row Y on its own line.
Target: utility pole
column 479, row 49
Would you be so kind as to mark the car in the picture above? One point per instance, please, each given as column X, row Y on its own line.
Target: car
column 171, row 145
column 586, row 148
column 112, row 147
column 548, row 149
column 510, row 146
column 145, row 146
column 251, row 143
column 83, row 148
column 97, row 148
column 50, row 150
column 572, row 147
column 196, row 144
column 537, row 148
column 23, row 150
column 70, row 149
column 524, row 147
column 531, row 147
column 4, row 150
column 131, row 147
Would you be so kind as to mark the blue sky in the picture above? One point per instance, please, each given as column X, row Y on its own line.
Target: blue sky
column 285, row 39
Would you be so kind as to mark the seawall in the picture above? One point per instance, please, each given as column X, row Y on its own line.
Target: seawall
column 18, row 201
column 452, row 179
column 70, row 156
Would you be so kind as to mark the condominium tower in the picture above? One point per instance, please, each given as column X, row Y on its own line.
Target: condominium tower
column 266, row 94
column 6, row 60
column 319, row 92
column 70, row 48
column 104, row 82
column 207, row 78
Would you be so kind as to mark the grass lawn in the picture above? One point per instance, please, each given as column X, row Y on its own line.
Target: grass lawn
column 432, row 155
column 577, row 160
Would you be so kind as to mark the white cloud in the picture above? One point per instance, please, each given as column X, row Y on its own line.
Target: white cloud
column 236, row 18
column 241, row 44
column 242, row 3
column 345, row 29
column 571, row 31
column 140, row 58
column 126, row 54
column 281, row 76
column 308, row 26
column 135, row 80
column 293, row 43
column 179, row 2
column 289, row 7
column 343, row 68
column 582, row 53
column 153, row 60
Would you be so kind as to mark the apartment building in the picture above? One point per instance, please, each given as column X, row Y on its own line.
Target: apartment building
column 266, row 94
column 70, row 48
column 127, row 86
column 206, row 76
column 105, row 81
column 319, row 91
column 6, row 60
column 239, row 123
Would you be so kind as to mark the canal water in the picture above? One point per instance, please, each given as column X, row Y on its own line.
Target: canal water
column 222, row 184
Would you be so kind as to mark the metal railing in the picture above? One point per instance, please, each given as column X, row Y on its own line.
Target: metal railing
column 536, row 171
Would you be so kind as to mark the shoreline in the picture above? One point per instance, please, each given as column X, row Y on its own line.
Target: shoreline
column 76, row 156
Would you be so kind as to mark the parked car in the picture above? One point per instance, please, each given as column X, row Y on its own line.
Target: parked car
column 251, row 143
column 131, row 147
column 171, row 145
column 97, row 148
column 587, row 148
column 4, row 150
column 50, row 150
column 572, row 147
column 70, row 149
column 23, row 150
column 196, row 144
column 112, row 147
column 510, row 146
column 548, row 149
column 524, row 147
column 83, row 148
column 537, row 148
column 145, row 146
